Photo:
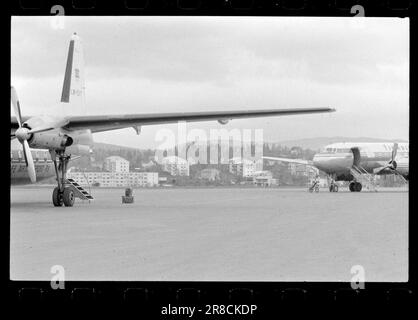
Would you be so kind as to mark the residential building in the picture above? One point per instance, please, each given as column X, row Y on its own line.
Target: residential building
column 245, row 167
column 114, row 179
column 264, row 179
column 175, row 166
column 116, row 164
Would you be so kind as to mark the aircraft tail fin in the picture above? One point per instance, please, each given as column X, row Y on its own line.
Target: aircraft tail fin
column 73, row 86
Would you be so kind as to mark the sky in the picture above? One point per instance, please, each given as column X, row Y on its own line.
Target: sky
column 359, row 66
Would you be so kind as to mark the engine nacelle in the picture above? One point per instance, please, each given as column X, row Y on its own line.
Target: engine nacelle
column 79, row 149
column 223, row 121
column 82, row 142
column 82, row 137
column 50, row 140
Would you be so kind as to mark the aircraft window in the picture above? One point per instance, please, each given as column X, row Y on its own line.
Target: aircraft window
column 343, row 150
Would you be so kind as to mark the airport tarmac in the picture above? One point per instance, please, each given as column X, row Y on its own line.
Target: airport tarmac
column 235, row 234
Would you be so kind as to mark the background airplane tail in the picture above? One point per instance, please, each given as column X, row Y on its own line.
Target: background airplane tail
column 73, row 96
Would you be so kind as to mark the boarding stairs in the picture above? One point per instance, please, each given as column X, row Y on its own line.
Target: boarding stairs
column 78, row 190
column 366, row 179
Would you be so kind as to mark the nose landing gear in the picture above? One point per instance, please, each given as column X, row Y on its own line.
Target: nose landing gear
column 355, row 186
column 57, row 197
column 62, row 195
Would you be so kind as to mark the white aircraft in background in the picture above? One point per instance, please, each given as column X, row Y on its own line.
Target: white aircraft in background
column 57, row 137
column 357, row 162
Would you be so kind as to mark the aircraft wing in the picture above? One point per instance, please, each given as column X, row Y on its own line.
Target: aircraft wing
column 300, row 161
column 109, row 122
column 112, row 122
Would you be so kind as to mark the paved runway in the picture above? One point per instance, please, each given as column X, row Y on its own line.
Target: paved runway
column 211, row 234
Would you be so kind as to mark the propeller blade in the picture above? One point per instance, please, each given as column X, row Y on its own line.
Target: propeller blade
column 397, row 172
column 378, row 170
column 394, row 151
column 29, row 161
column 40, row 129
column 16, row 106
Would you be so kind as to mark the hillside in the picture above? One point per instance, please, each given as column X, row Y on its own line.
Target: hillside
column 298, row 148
column 112, row 147
column 317, row 143
column 308, row 143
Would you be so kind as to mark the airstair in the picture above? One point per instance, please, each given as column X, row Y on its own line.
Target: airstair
column 78, row 190
column 366, row 179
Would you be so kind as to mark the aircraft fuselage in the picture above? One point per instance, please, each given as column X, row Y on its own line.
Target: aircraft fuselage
column 336, row 159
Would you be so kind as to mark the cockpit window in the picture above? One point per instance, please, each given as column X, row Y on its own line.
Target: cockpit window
column 327, row 150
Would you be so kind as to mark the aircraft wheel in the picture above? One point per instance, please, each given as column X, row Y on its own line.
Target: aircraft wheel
column 358, row 186
column 331, row 188
column 68, row 197
column 57, row 198
column 335, row 188
column 351, row 186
